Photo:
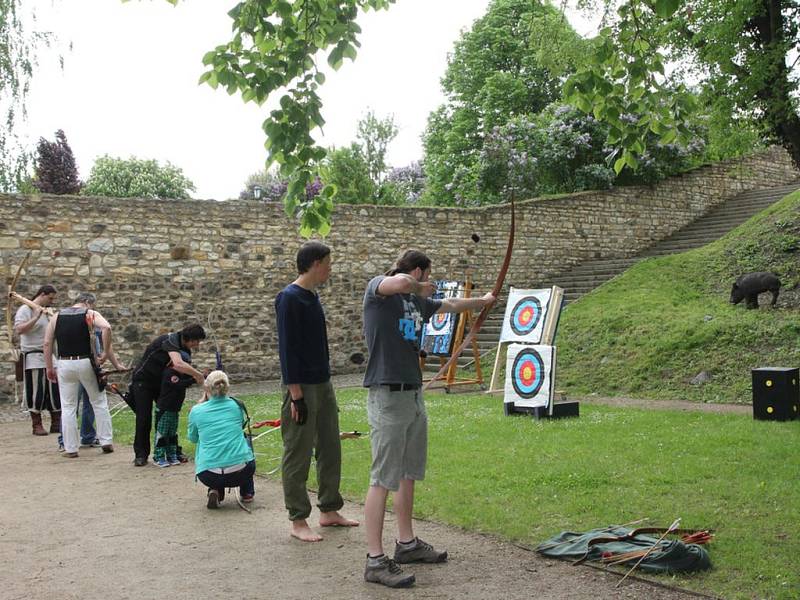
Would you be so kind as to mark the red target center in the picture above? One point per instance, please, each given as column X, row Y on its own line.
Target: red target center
column 527, row 372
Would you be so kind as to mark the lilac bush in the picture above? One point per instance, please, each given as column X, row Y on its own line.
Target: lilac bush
column 406, row 183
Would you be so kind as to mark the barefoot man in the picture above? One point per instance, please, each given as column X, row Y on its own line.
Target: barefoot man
column 309, row 416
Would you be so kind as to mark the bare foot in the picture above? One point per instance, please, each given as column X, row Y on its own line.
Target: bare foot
column 334, row 519
column 302, row 532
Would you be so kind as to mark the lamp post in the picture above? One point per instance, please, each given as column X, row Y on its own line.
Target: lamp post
column 257, row 192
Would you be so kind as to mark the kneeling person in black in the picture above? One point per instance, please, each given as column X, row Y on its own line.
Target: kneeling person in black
column 148, row 374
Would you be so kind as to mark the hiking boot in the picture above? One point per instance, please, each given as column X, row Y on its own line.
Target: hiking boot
column 213, row 499
column 36, row 421
column 107, row 449
column 140, row 461
column 387, row 572
column 421, row 552
column 55, row 421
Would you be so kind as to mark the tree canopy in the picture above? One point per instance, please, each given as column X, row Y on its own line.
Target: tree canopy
column 742, row 54
column 510, row 63
column 136, row 178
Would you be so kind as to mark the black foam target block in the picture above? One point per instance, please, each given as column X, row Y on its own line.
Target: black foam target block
column 776, row 394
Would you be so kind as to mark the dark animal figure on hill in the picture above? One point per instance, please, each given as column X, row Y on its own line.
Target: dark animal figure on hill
column 750, row 285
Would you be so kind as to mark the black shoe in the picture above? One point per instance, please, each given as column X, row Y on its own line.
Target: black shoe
column 420, row 552
column 140, row 461
column 213, row 499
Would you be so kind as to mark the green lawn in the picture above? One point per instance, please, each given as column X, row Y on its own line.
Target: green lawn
column 526, row 480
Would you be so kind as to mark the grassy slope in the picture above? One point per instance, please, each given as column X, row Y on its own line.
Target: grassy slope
column 647, row 332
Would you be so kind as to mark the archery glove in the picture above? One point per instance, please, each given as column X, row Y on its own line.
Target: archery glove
column 302, row 410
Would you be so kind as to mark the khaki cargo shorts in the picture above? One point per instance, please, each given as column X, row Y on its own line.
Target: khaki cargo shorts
column 399, row 435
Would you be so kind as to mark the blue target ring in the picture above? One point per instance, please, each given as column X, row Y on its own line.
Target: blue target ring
column 527, row 374
column 525, row 315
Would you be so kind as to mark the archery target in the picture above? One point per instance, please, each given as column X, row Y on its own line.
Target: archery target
column 525, row 314
column 529, row 375
column 439, row 323
column 438, row 333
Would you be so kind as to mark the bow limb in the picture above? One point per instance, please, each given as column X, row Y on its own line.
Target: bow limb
column 9, row 320
column 498, row 286
column 212, row 331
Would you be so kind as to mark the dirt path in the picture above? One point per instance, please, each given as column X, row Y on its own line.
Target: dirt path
column 96, row 527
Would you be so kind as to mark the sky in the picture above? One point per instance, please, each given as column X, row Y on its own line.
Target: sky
column 128, row 85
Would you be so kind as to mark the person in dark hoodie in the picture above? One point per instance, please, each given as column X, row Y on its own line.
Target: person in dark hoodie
column 148, row 375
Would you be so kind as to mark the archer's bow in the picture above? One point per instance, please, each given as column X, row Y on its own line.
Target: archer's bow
column 498, row 286
column 217, row 353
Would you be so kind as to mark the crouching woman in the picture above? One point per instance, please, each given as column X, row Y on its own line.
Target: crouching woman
column 223, row 457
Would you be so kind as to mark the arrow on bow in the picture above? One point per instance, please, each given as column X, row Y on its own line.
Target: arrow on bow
column 498, row 286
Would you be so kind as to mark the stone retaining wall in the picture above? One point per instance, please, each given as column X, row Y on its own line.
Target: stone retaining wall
column 156, row 265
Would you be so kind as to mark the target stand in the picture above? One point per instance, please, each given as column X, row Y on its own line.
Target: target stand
column 558, row 409
column 531, row 317
column 450, row 380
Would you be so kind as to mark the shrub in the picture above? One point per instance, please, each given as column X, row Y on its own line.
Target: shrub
column 55, row 171
column 347, row 169
column 135, row 178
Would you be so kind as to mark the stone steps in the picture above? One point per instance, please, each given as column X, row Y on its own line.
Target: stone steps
column 584, row 278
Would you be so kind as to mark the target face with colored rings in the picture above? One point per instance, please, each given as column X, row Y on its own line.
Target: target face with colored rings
column 527, row 373
column 526, row 314
column 439, row 322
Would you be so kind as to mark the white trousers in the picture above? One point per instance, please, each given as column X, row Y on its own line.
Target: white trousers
column 71, row 374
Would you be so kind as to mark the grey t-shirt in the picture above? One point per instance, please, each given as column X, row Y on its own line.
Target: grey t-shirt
column 393, row 329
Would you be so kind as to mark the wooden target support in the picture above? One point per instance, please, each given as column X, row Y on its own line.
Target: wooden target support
column 450, row 379
column 548, row 337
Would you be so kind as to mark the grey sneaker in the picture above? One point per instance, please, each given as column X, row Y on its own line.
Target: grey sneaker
column 388, row 573
column 213, row 497
column 420, row 552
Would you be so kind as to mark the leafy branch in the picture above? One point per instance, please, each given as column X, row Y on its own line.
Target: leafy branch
column 623, row 83
column 274, row 46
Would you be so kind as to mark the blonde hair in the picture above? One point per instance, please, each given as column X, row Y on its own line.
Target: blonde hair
column 217, row 384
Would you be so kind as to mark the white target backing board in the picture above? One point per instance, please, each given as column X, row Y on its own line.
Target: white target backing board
column 526, row 312
column 530, row 375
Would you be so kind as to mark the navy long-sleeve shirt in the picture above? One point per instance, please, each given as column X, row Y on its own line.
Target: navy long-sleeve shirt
column 302, row 336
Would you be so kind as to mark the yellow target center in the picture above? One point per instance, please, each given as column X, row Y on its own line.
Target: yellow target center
column 769, row 383
column 770, row 409
column 527, row 372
